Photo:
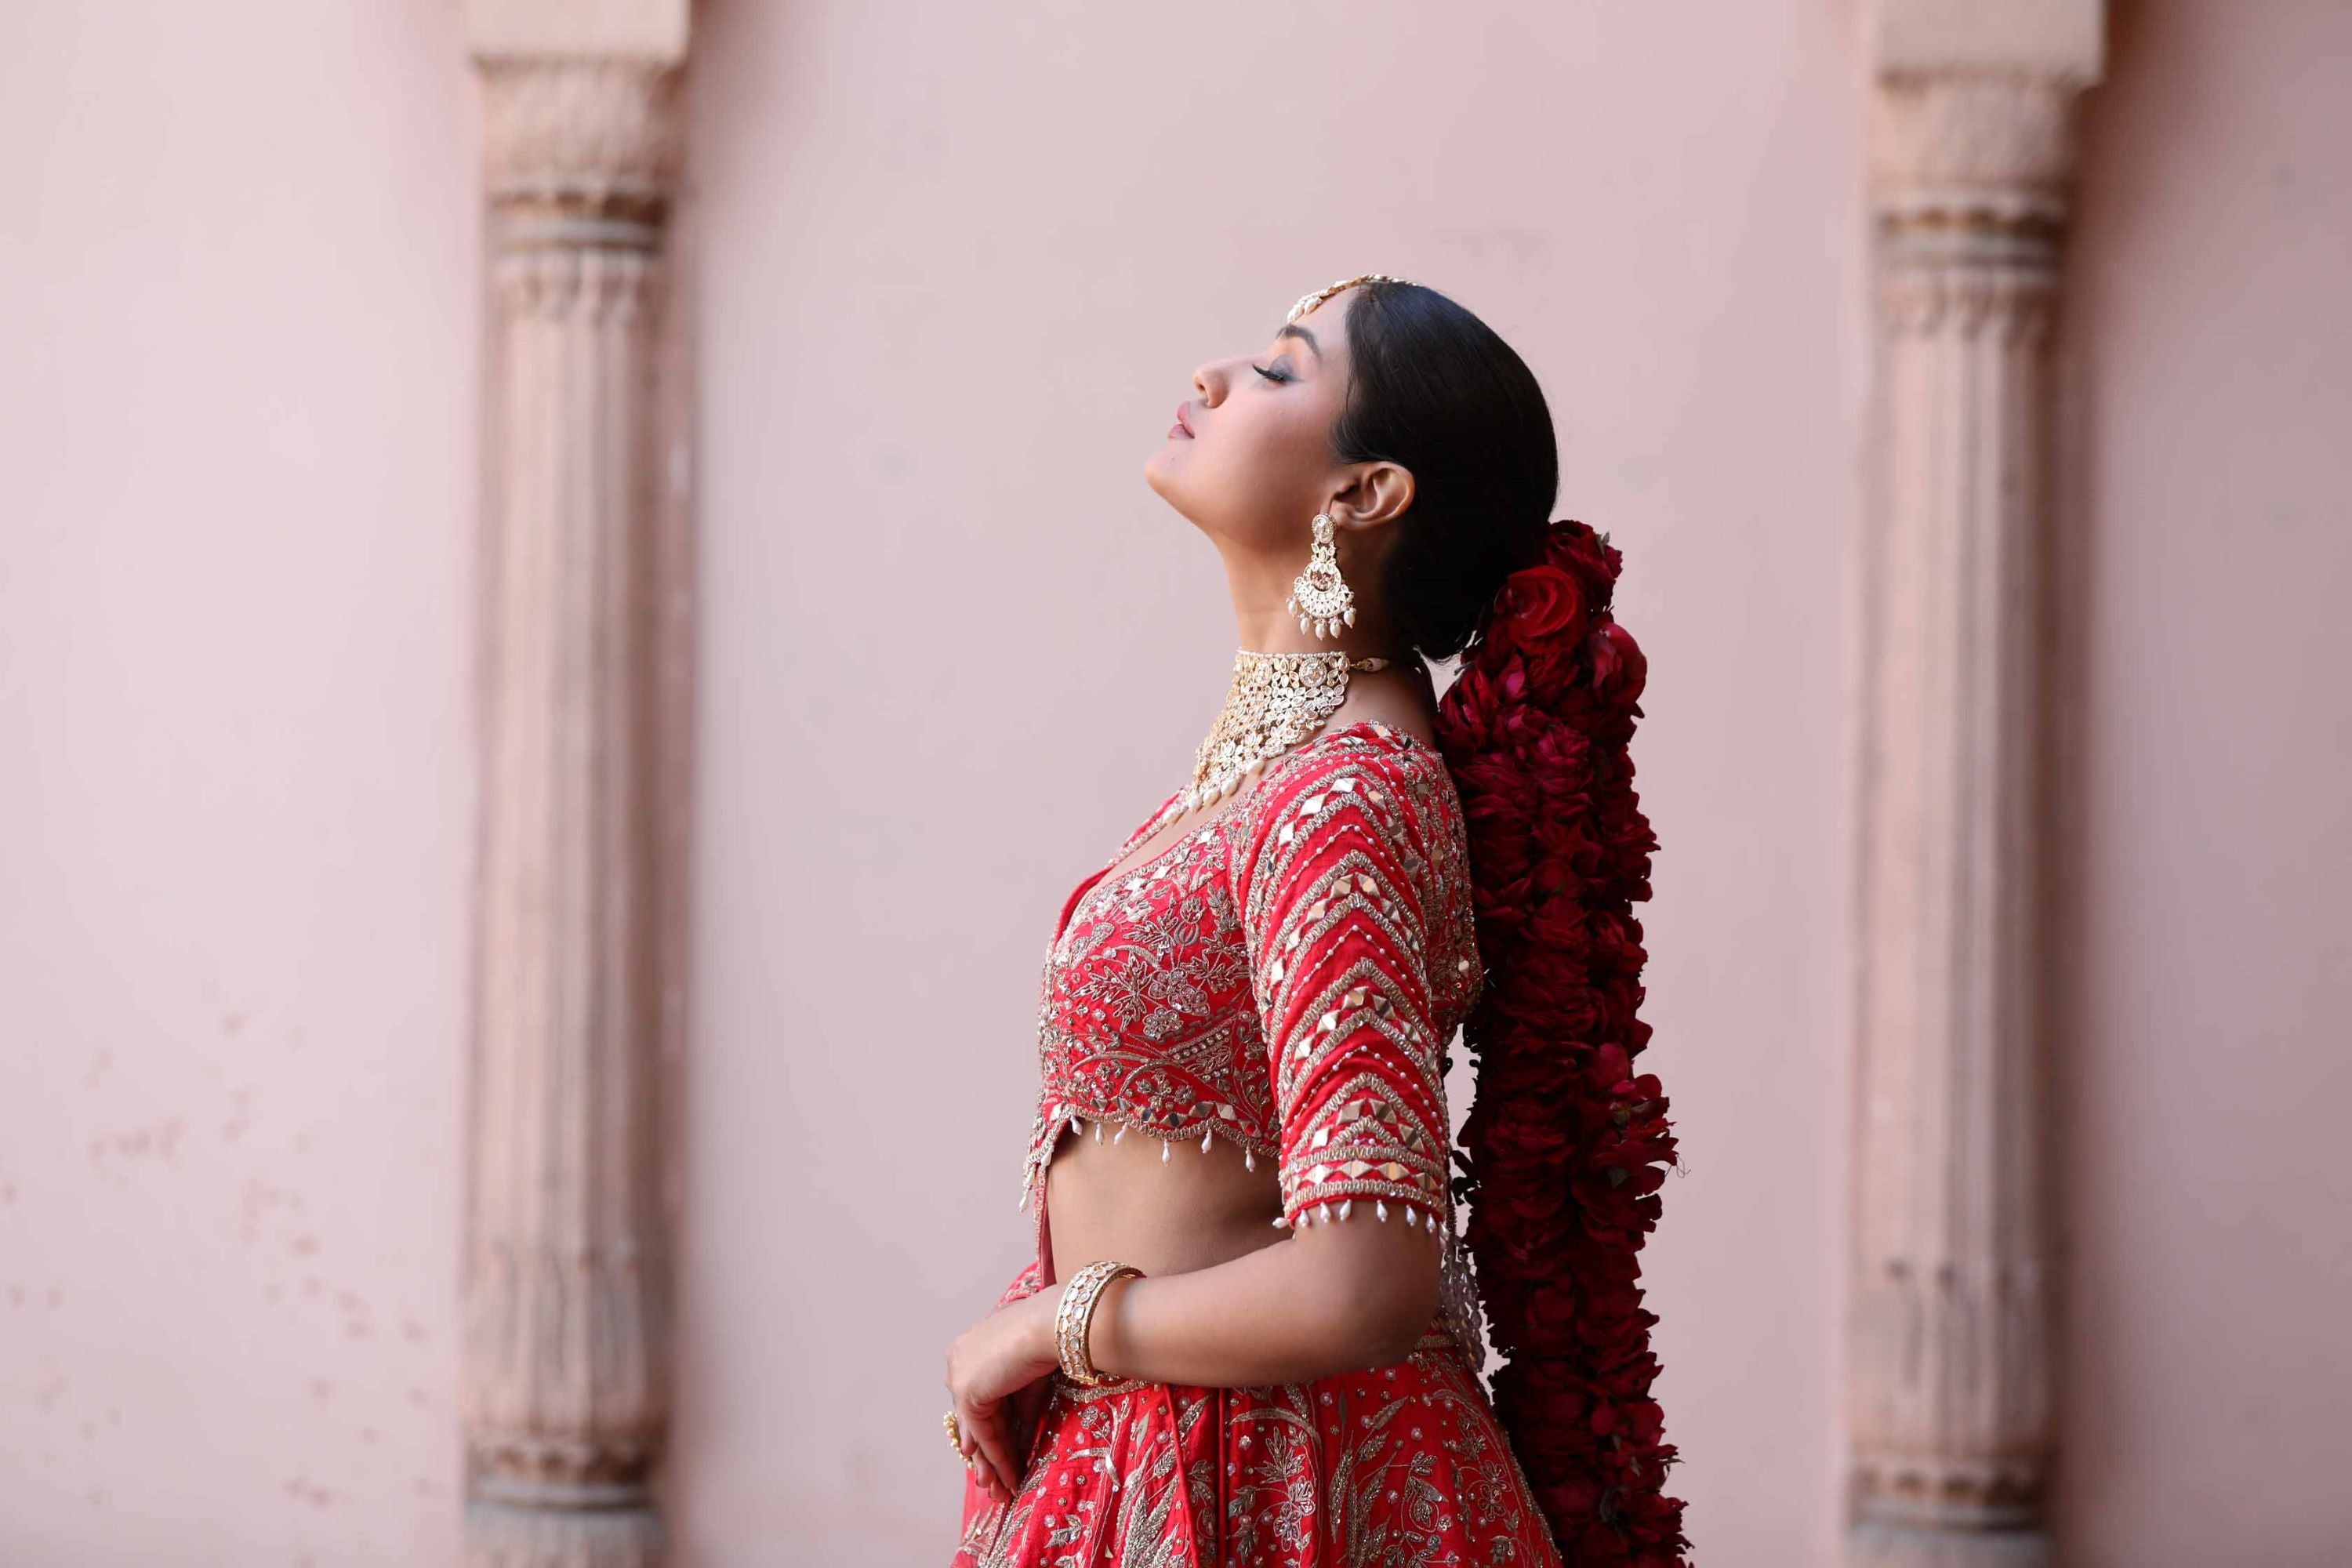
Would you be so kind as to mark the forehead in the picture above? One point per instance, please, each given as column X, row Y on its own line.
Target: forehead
column 1326, row 324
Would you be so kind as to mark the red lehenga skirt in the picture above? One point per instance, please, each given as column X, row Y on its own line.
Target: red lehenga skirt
column 1396, row 1466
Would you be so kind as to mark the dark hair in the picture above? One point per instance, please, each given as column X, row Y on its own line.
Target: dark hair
column 1433, row 388
column 1565, row 1145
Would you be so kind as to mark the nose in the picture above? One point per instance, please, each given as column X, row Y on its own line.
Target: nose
column 1210, row 380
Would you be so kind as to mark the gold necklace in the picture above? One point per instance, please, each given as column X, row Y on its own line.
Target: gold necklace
column 1277, row 701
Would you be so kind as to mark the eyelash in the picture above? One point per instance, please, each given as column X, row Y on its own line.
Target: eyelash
column 1267, row 373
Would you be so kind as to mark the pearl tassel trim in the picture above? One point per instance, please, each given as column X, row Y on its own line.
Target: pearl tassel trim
column 1077, row 1125
column 1319, row 1213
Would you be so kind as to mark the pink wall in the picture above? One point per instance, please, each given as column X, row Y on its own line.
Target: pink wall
column 236, row 300
column 950, row 276
column 2206, row 848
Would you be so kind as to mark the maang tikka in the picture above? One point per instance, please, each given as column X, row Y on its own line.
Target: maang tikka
column 1320, row 596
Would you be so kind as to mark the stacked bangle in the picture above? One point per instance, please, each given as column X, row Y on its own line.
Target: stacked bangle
column 1075, row 1315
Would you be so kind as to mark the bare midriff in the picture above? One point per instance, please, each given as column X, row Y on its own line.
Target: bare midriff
column 1119, row 1198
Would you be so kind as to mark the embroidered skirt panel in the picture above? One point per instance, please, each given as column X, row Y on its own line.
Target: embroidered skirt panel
column 1402, row 1467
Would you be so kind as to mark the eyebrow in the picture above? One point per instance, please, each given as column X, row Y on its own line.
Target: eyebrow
column 1293, row 330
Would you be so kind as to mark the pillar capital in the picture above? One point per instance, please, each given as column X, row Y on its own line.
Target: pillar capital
column 1971, row 154
column 581, row 132
column 1971, row 118
column 579, row 149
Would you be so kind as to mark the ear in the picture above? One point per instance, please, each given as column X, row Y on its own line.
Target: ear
column 1379, row 493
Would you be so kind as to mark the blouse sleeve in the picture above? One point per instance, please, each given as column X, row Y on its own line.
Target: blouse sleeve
column 1338, row 931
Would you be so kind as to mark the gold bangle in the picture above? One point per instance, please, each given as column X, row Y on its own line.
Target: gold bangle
column 1074, row 1315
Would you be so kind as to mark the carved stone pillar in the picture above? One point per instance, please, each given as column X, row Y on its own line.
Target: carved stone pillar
column 1951, row 1316
column 565, row 1275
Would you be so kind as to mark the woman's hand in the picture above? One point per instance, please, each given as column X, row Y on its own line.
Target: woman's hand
column 991, row 1366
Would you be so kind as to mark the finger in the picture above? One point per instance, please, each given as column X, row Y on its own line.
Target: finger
column 986, row 1427
column 993, row 1444
column 970, row 1447
column 981, row 1476
column 982, row 1443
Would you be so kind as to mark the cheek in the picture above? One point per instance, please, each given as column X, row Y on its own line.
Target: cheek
column 1271, row 444
column 1256, row 468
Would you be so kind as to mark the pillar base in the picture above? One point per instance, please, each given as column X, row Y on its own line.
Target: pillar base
column 501, row 1536
column 1885, row 1543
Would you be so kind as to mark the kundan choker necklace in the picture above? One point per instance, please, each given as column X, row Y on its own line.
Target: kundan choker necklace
column 1277, row 701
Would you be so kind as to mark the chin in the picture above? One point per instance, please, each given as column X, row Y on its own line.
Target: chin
column 1174, row 494
column 1156, row 475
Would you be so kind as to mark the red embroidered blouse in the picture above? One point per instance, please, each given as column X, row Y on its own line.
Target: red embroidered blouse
column 1287, row 976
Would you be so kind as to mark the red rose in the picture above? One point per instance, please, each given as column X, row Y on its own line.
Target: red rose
column 1545, row 603
column 1618, row 669
column 1578, row 551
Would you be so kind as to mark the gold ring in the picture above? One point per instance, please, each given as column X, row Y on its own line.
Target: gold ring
column 955, row 1435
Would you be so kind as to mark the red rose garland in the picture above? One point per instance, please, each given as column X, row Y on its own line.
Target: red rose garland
column 1565, row 1147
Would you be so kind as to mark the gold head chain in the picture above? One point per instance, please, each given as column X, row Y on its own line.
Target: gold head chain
column 1308, row 301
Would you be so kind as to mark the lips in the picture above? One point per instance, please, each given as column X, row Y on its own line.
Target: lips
column 1183, row 425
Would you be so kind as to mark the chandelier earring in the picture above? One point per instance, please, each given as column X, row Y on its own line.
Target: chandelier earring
column 1320, row 596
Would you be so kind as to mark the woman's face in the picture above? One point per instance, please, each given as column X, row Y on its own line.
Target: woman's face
column 1249, row 460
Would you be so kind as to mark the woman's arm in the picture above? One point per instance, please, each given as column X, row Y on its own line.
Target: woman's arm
column 1335, row 1298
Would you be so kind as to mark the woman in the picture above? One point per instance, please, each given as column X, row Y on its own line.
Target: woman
column 1263, row 1346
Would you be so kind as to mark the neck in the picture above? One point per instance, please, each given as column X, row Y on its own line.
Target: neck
column 1264, row 626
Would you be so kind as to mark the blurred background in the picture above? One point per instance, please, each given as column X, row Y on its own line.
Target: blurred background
column 605, row 490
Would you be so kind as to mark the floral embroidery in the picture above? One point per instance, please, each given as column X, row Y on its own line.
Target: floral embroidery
column 1401, row 1465
column 1285, row 976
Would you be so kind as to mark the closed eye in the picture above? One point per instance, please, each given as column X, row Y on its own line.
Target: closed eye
column 1269, row 375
